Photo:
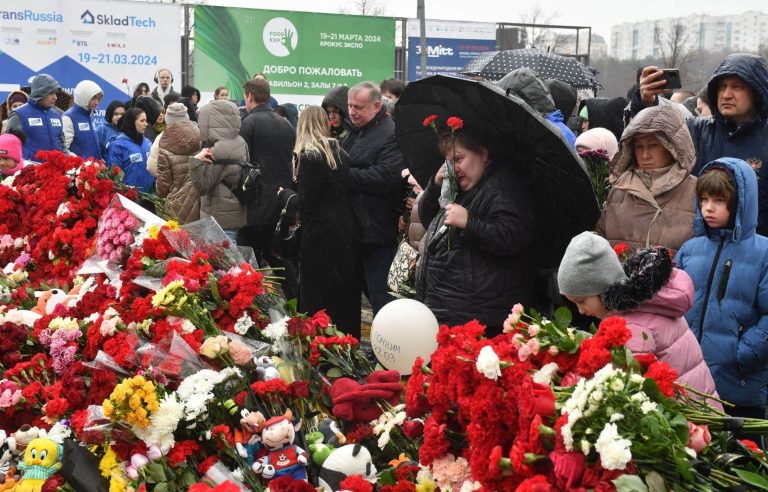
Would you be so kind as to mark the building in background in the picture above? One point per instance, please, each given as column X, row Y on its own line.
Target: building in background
column 738, row 32
column 564, row 43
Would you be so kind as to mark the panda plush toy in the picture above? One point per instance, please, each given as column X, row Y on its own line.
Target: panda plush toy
column 352, row 459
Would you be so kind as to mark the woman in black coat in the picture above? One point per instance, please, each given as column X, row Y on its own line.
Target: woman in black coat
column 328, row 253
column 479, row 256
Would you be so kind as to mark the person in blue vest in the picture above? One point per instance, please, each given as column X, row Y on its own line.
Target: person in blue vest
column 79, row 129
column 110, row 128
column 39, row 119
column 130, row 150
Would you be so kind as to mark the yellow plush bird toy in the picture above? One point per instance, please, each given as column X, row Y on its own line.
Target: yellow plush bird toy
column 42, row 458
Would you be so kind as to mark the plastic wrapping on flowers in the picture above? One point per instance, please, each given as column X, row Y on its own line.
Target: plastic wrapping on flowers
column 176, row 364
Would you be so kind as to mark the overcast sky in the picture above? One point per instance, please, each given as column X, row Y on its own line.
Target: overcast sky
column 600, row 14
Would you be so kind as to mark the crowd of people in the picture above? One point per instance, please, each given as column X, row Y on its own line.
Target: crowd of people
column 688, row 199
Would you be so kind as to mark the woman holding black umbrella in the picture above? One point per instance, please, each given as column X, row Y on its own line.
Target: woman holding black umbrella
column 480, row 252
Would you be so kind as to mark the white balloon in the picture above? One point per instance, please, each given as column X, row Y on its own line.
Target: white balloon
column 401, row 331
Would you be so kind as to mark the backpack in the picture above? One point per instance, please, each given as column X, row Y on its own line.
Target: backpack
column 249, row 187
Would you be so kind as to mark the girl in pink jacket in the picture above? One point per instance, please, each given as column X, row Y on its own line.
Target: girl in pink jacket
column 648, row 292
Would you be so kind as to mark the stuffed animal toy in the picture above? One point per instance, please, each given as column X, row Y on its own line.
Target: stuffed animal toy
column 8, row 478
column 331, row 433
column 283, row 457
column 42, row 458
column 324, row 440
column 352, row 459
column 249, row 447
column 266, row 368
column 49, row 299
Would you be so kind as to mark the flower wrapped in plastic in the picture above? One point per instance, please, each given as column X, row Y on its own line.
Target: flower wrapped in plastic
column 119, row 226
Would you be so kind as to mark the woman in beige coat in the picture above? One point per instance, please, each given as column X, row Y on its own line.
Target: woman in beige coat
column 651, row 202
column 177, row 144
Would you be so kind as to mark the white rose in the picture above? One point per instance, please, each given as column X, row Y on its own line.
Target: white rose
column 647, row 406
column 617, row 385
column 488, row 363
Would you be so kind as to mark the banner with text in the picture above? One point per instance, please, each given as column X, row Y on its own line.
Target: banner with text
column 302, row 54
column 450, row 45
column 115, row 44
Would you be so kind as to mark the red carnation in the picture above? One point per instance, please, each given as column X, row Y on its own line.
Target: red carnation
column 665, row 377
column 538, row 483
column 204, row 465
column 430, row 120
column 455, row 123
column 752, row 446
column 356, row 483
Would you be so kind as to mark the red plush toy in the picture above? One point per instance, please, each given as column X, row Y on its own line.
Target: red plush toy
column 355, row 402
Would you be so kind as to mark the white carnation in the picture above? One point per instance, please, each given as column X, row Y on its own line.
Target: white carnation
column 243, row 324
column 614, row 451
column 647, row 407
column 277, row 330
column 163, row 423
column 488, row 363
column 616, row 417
column 545, row 374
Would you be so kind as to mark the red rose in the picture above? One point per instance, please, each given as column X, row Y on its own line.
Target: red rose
column 620, row 249
column 543, row 400
column 568, row 468
column 698, row 436
column 413, row 428
column 321, row 319
column 570, row 379
column 455, row 123
column 299, row 389
column 429, row 120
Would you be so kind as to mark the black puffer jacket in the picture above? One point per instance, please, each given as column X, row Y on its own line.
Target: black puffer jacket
column 490, row 265
column 376, row 184
column 270, row 140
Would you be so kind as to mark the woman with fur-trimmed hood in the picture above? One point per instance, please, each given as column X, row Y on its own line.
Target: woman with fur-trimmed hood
column 649, row 293
column 652, row 188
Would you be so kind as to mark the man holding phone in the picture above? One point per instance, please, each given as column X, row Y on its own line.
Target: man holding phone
column 738, row 127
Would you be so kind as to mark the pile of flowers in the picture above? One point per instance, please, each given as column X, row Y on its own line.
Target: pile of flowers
column 158, row 369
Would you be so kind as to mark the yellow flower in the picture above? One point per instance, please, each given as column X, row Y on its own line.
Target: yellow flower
column 108, row 462
column 172, row 225
column 118, row 481
column 426, row 486
column 109, row 408
column 164, row 296
column 154, row 231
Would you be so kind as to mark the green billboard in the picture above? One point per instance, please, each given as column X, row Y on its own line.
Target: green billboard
column 302, row 54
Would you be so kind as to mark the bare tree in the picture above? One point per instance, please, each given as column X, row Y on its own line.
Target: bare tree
column 675, row 46
column 534, row 15
column 364, row 7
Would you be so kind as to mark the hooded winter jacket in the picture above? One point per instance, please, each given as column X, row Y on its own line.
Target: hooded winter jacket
column 376, row 184
column 80, row 135
column 220, row 128
column 715, row 137
column 337, row 97
column 479, row 271
column 42, row 126
column 152, row 110
column 177, row 145
column 524, row 84
column 659, row 328
column 132, row 159
column 662, row 215
column 729, row 317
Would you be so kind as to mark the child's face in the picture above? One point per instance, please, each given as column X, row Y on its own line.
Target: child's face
column 715, row 211
column 6, row 164
column 589, row 305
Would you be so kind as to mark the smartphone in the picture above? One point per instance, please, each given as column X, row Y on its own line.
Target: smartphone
column 672, row 76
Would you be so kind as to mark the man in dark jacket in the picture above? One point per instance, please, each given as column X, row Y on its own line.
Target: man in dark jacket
column 376, row 184
column 738, row 127
column 270, row 140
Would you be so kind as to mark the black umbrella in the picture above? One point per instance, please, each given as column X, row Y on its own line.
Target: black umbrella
column 515, row 133
column 495, row 65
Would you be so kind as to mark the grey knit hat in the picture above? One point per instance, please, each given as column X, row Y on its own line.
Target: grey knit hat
column 42, row 85
column 176, row 113
column 588, row 267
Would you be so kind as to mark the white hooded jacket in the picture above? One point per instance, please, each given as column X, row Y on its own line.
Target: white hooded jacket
column 84, row 92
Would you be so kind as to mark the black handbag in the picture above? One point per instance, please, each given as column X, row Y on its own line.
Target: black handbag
column 287, row 236
column 249, row 186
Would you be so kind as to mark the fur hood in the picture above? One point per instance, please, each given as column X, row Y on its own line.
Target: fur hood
column 647, row 272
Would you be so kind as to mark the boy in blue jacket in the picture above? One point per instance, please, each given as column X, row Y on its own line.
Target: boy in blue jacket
column 728, row 262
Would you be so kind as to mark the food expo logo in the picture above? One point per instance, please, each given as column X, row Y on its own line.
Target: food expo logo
column 280, row 36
